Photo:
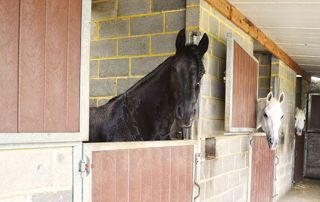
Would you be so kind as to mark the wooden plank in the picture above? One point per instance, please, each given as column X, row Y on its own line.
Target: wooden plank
column 262, row 170
column 73, row 66
column 55, row 114
column 135, row 175
column 235, row 16
column 31, row 65
column 244, row 77
column 180, row 174
column 104, row 176
column 9, row 37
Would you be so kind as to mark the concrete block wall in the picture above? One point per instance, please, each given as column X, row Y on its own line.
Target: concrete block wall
column 224, row 178
column 264, row 73
column 283, row 79
column 128, row 40
column 36, row 175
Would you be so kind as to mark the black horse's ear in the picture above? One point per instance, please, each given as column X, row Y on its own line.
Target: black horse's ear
column 203, row 44
column 181, row 40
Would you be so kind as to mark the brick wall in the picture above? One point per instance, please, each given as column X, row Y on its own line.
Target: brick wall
column 283, row 79
column 264, row 73
column 34, row 175
column 128, row 40
column 224, row 178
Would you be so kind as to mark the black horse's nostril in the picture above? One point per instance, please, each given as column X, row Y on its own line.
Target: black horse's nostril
column 179, row 112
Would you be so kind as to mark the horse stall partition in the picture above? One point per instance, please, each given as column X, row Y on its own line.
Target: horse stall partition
column 312, row 167
column 139, row 171
column 241, row 88
column 262, row 169
column 299, row 155
column 313, row 155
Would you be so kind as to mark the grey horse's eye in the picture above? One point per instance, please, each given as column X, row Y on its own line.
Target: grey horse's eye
column 282, row 117
column 265, row 115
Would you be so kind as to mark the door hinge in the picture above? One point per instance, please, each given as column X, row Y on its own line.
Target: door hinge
column 84, row 168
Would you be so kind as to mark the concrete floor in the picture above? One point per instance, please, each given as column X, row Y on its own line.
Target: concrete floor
column 305, row 191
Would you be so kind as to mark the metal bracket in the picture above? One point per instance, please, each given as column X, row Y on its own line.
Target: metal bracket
column 84, row 168
column 197, row 158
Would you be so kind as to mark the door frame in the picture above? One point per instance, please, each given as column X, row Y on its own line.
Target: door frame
column 83, row 134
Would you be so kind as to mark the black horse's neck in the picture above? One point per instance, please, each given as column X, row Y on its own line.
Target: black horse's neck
column 151, row 100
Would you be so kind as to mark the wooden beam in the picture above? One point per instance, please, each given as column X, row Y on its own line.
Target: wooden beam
column 240, row 20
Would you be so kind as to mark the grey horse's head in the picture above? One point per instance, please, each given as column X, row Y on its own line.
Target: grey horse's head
column 300, row 120
column 271, row 119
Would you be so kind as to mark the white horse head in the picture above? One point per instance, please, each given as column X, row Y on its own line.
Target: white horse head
column 269, row 118
column 300, row 120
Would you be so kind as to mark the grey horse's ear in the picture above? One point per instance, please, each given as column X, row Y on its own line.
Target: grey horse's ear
column 281, row 98
column 297, row 109
column 304, row 111
column 269, row 96
column 181, row 40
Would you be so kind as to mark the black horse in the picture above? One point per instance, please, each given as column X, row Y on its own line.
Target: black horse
column 159, row 105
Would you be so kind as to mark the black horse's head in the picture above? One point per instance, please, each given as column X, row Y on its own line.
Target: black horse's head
column 187, row 70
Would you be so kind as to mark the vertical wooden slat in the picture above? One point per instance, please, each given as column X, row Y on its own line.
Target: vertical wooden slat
column 56, row 66
column 104, row 176
column 73, row 66
column 31, row 65
column 9, row 37
column 244, row 89
column 146, row 175
column 189, row 173
column 262, row 170
column 135, row 175
column 122, row 176
column 161, row 178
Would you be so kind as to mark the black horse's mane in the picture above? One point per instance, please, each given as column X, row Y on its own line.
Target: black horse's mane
column 191, row 50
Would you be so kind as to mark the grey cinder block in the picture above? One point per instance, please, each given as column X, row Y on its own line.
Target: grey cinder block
column 105, row 9
column 114, row 28
column 102, row 87
column 147, row 24
column 114, row 67
column 103, row 48
column 163, row 43
column 175, row 21
column 161, row 5
column 134, row 46
column 130, row 7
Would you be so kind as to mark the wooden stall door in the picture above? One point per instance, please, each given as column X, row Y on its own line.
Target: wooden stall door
column 299, row 158
column 313, row 155
column 241, row 88
column 160, row 174
column 262, row 170
column 40, row 65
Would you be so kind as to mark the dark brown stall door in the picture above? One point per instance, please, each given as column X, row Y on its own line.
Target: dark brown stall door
column 244, row 89
column 299, row 155
column 40, row 65
column 314, row 113
column 262, row 170
column 163, row 174
column 313, row 155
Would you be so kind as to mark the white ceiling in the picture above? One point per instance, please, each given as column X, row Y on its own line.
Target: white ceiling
column 293, row 24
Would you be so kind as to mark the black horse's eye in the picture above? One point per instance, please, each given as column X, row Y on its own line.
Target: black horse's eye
column 265, row 115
